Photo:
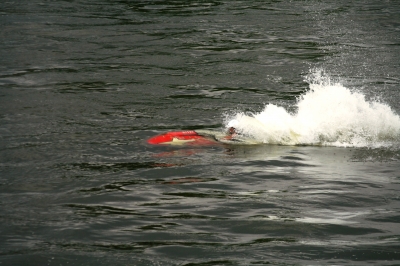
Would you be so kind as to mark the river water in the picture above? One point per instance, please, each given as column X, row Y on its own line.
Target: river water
column 83, row 84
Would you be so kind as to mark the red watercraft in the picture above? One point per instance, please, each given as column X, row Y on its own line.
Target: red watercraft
column 187, row 137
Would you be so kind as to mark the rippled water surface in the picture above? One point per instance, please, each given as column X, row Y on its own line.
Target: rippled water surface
column 83, row 84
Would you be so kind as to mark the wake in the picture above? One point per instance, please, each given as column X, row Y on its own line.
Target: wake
column 328, row 114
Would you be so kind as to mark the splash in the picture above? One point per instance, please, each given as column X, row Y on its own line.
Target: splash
column 328, row 114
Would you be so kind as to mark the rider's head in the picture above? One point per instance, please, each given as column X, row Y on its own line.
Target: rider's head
column 231, row 130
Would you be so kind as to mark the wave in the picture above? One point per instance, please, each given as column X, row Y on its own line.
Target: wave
column 328, row 114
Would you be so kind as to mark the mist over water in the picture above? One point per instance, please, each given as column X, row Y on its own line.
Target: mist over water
column 328, row 114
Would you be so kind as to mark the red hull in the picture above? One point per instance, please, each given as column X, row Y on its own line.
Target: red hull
column 187, row 137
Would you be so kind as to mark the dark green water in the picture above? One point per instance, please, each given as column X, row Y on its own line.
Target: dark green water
column 83, row 84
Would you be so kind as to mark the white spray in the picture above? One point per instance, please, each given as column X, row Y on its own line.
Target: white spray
column 328, row 114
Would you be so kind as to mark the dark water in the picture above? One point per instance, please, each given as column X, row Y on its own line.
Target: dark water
column 83, row 84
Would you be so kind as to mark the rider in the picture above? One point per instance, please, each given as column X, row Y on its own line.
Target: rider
column 231, row 133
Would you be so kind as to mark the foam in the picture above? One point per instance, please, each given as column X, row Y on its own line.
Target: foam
column 327, row 114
